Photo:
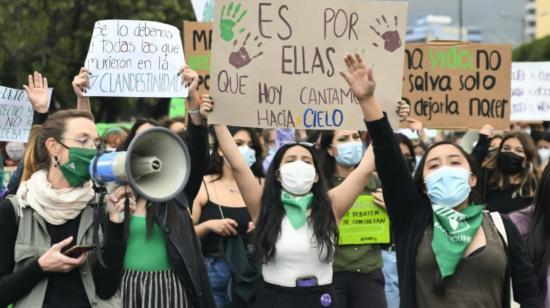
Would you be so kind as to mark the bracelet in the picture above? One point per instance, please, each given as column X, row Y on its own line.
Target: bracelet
column 194, row 111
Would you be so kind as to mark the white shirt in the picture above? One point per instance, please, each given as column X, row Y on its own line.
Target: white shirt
column 297, row 256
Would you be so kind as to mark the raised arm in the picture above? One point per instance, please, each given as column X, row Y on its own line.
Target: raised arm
column 80, row 84
column 481, row 149
column 344, row 195
column 37, row 92
column 402, row 199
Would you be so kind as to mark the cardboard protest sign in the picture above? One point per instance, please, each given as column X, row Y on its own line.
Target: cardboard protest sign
column 16, row 114
column 134, row 58
column 197, row 42
column 276, row 64
column 530, row 91
column 458, row 85
column 365, row 223
column 204, row 9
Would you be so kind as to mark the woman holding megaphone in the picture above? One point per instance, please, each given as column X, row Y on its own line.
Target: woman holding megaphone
column 163, row 264
column 46, row 229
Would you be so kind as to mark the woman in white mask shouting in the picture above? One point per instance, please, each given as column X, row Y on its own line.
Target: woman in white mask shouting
column 296, row 218
column 450, row 253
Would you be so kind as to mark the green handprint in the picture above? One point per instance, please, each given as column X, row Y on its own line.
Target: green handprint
column 228, row 21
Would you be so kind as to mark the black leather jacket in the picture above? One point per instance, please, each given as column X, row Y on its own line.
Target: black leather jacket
column 182, row 244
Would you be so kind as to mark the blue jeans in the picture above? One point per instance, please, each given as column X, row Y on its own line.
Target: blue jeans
column 391, row 278
column 219, row 274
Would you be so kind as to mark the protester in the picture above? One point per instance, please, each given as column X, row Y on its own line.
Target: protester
column 113, row 137
column 221, row 219
column 532, row 223
column 296, row 218
column 423, row 212
column 509, row 181
column 50, row 214
column 177, row 125
column 163, row 264
column 543, row 149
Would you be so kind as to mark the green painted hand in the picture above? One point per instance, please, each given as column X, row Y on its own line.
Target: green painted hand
column 229, row 20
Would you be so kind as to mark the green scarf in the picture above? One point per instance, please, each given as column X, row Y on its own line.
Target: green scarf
column 453, row 232
column 296, row 208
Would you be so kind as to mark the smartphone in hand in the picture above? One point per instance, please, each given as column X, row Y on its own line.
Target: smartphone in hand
column 77, row 250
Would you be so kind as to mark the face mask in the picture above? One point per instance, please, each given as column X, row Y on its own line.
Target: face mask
column 544, row 154
column 510, row 163
column 411, row 163
column 248, row 154
column 297, row 177
column 272, row 150
column 349, row 154
column 15, row 150
column 77, row 169
column 448, row 186
column 417, row 159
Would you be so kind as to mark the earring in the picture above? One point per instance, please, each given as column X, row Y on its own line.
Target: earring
column 56, row 159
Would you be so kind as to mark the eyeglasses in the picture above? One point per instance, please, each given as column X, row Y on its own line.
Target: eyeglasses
column 86, row 142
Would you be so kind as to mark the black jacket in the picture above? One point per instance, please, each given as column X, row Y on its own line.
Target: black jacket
column 410, row 215
column 182, row 244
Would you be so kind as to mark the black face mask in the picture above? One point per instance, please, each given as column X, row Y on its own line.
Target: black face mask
column 510, row 163
column 411, row 162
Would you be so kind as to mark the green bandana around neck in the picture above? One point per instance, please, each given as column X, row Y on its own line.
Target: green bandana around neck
column 77, row 169
column 296, row 208
column 453, row 232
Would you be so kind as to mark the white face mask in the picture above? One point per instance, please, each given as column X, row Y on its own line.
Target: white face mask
column 544, row 154
column 15, row 150
column 297, row 177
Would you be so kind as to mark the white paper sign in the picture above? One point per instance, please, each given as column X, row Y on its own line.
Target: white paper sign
column 204, row 9
column 135, row 58
column 530, row 91
column 16, row 114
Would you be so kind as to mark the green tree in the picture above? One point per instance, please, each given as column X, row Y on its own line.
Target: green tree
column 52, row 36
column 537, row 50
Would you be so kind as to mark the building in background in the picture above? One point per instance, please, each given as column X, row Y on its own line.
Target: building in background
column 542, row 18
column 440, row 27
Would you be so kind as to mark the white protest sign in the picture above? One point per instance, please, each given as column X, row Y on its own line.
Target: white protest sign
column 135, row 58
column 16, row 114
column 530, row 91
column 204, row 9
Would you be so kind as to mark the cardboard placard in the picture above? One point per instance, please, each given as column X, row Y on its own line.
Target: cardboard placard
column 16, row 114
column 276, row 64
column 135, row 58
column 530, row 91
column 197, row 42
column 458, row 85
column 365, row 223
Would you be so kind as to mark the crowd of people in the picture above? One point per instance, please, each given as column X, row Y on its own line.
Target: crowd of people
column 257, row 224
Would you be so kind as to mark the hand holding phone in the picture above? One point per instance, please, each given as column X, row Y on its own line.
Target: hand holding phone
column 77, row 250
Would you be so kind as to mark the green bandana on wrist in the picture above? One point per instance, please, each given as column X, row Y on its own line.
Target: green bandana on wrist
column 453, row 232
column 296, row 208
column 77, row 169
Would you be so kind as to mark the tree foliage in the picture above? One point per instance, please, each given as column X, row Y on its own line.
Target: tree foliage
column 537, row 50
column 52, row 36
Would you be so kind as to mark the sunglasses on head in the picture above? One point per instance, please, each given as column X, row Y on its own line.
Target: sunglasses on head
column 302, row 143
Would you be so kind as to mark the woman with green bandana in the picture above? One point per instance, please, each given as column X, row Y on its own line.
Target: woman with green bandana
column 450, row 253
column 296, row 218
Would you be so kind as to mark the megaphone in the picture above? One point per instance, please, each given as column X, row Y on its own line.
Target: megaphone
column 156, row 165
column 469, row 140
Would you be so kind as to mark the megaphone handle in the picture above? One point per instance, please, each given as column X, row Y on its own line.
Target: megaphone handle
column 99, row 216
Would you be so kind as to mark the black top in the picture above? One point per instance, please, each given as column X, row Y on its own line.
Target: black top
column 64, row 290
column 503, row 201
column 211, row 242
column 410, row 214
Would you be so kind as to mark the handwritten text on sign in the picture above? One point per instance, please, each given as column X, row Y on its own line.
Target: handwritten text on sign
column 16, row 114
column 277, row 64
column 530, row 91
column 197, row 42
column 365, row 223
column 458, row 86
column 132, row 58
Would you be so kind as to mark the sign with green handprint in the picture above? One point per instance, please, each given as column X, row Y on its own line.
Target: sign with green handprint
column 204, row 10
column 277, row 63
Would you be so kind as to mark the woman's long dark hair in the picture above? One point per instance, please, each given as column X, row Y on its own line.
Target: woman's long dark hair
column 215, row 166
column 268, row 227
column 475, row 197
column 328, row 162
column 538, row 241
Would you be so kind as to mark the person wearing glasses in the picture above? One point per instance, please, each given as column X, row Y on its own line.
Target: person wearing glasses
column 50, row 214
column 296, row 217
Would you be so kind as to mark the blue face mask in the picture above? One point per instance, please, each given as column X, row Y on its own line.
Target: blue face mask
column 248, row 154
column 448, row 186
column 349, row 154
